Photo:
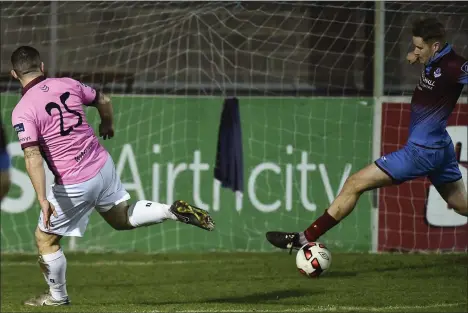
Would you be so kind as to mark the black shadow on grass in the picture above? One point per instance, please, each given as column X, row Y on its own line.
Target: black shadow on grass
column 339, row 274
column 253, row 298
column 262, row 297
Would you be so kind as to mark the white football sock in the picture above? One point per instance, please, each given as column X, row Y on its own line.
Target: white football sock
column 54, row 267
column 144, row 213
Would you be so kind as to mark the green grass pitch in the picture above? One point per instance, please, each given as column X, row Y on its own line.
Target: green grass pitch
column 244, row 282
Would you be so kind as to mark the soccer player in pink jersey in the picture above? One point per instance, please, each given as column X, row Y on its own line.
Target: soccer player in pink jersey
column 51, row 126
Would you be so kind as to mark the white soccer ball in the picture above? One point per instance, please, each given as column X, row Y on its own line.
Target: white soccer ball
column 313, row 259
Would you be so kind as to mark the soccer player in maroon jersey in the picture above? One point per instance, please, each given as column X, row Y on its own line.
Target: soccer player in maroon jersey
column 429, row 151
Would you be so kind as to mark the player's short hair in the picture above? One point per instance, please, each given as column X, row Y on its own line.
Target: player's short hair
column 25, row 60
column 429, row 29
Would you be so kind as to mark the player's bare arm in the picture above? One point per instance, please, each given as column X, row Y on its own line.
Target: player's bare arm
column 34, row 166
column 106, row 112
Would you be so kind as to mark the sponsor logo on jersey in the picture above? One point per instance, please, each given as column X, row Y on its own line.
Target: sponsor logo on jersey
column 19, row 128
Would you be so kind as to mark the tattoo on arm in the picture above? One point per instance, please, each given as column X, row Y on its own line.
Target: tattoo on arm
column 32, row 152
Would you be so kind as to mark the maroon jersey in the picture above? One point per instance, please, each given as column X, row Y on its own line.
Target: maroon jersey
column 435, row 97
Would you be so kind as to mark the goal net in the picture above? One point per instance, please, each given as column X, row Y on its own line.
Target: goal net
column 303, row 74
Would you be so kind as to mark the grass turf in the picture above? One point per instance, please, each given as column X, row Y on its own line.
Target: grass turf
column 243, row 282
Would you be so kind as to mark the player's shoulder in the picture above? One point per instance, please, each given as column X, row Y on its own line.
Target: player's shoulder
column 68, row 81
column 455, row 62
column 22, row 112
column 28, row 104
column 24, row 105
column 71, row 83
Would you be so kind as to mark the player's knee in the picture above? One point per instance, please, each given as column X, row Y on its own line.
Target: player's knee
column 46, row 243
column 121, row 221
column 353, row 184
column 118, row 218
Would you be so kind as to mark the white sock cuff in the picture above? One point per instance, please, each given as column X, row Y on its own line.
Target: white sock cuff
column 144, row 213
column 52, row 256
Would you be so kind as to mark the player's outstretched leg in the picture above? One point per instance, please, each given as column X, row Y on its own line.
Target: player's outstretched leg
column 369, row 178
column 121, row 215
column 454, row 193
column 53, row 264
column 144, row 213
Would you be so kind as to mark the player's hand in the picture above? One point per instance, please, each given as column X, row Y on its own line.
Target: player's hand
column 47, row 210
column 106, row 130
column 411, row 58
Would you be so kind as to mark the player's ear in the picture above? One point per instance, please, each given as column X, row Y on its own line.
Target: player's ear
column 436, row 46
column 13, row 73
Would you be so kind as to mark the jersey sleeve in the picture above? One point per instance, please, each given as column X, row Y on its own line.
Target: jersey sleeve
column 26, row 129
column 89, row 95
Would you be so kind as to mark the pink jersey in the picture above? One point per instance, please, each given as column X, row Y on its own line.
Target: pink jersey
column 50, row 114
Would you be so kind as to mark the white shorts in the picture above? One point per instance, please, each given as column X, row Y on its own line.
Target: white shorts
column 74, row 203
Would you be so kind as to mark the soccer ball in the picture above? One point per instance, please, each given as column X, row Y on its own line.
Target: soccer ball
column 313, row 259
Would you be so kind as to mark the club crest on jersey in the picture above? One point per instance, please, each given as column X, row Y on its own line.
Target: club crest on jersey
column 19, row 128
column 464, row 67
column 437, row 72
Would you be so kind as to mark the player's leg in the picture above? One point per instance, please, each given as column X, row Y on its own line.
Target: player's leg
column 73, row 205
column 454, row 194
column 449, row 182
column 394, row 168
column 53, row 265
column 368, row 178
column 125, row 216
column 113, row 206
